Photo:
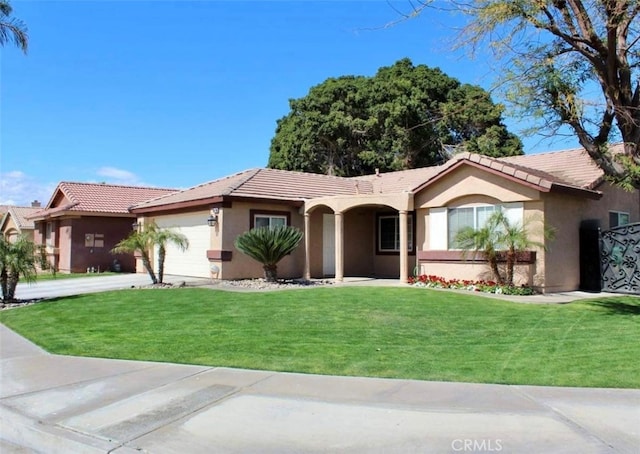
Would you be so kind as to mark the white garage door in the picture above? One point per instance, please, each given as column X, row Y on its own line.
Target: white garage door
column 193, row 261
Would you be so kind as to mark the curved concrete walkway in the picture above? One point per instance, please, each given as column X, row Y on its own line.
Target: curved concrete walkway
column 61, row 404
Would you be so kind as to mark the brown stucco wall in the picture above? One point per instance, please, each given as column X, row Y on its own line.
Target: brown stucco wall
column 82, row 257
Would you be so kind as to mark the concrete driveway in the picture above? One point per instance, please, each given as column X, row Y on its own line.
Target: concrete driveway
column 91, row 284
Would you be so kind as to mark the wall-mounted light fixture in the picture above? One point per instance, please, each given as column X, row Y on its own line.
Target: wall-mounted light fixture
column 135, row 226
column 212, row 220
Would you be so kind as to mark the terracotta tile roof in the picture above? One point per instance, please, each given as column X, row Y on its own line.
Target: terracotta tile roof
column 573, row 166
column 98, row 198
column 572, row 169
column 403, row 180
column 265, row 184
column 20, row 215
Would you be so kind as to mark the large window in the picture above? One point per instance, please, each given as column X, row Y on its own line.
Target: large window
column 269, row 219
column 618, row 218
column 445, row 223
column 389, row 233
column 459, row 218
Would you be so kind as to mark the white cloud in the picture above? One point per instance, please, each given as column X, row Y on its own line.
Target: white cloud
column 18, row 188
column 117, row 174
column 120, row 176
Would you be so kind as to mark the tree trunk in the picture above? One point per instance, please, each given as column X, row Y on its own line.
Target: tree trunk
column 12, row 283
column 147, row 266
column 270, row 273
column 493, row 264
column 4, row 283
column 511, row 261
column 161, row 255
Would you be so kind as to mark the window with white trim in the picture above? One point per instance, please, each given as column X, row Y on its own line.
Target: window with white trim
column 271, row 221
column 618, row 218
column 460, row 218
column 389, row 233
column 445, row 223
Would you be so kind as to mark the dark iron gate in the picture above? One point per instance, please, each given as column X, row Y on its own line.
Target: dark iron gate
column 620, row 259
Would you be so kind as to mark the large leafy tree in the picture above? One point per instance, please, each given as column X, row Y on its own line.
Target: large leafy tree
column 269, row 245
column 17, row 260
column 12, row 29
column 572, row 63
column 145, row 240
column 404, row 117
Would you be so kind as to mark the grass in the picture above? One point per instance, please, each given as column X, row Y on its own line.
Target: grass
column 48, row 276
column 378, row 332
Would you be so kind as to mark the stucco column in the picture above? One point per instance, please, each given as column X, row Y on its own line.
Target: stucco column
column 339, row 246
column 307, row 246
column 404, row 247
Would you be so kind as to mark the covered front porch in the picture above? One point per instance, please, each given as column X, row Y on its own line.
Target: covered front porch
column 365, row 236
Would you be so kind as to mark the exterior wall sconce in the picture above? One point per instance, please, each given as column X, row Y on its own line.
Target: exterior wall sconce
column 212, row 220
column 135, row 226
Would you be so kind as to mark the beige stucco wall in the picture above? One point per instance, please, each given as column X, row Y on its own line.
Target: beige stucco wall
column 566, row 213
column 235, row 221
column 64, row 242
column 10, row 229
column 468, row 181
column 468, row 186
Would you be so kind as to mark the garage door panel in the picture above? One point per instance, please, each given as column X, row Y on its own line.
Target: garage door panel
column 193, row 261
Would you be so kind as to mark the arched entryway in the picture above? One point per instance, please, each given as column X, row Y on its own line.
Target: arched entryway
column 345, row 230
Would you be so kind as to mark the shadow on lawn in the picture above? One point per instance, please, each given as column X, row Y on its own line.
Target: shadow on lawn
column 627, row 305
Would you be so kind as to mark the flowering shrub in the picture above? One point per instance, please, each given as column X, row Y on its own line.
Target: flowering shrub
column 431, row 281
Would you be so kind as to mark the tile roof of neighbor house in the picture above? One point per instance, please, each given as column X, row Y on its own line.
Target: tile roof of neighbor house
column 98, row 198
column 20, row 216
column 572, row 169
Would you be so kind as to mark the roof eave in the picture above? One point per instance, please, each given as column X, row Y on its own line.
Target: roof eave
column 545, row 187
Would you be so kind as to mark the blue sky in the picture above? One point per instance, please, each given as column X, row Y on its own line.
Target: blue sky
column 176, row 93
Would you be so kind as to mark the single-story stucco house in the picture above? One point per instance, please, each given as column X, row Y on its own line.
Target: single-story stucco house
column 83, row 221
column 15, row 221
column 396, row 224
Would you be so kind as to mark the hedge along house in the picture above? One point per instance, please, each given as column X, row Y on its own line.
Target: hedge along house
column 394, row 224
column 83, row 221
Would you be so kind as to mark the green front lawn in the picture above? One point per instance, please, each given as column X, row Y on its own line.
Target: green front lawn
column 48, row 276
column 365, row 331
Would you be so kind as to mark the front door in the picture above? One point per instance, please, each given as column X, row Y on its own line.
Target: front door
column 328, row 245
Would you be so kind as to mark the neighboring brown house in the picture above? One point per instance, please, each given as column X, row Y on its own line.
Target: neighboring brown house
column 83, row 221
column 15, row 223
column 398, row 223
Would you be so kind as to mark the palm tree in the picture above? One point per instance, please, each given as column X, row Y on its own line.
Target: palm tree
column 145, row 240
column 138, row 241
column 162, row 237
column 12, row 28
column 17, row 259
column 497, row 235
column 268, row 246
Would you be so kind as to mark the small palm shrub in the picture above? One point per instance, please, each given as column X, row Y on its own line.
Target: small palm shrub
column 268, row 246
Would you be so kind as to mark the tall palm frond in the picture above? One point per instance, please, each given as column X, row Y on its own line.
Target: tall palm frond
column 12, row 28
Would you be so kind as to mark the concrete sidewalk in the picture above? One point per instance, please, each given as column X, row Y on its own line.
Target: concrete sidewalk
column 62, row 404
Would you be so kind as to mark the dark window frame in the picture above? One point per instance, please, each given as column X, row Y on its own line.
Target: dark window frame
column 267, row 213
column 388, row 214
